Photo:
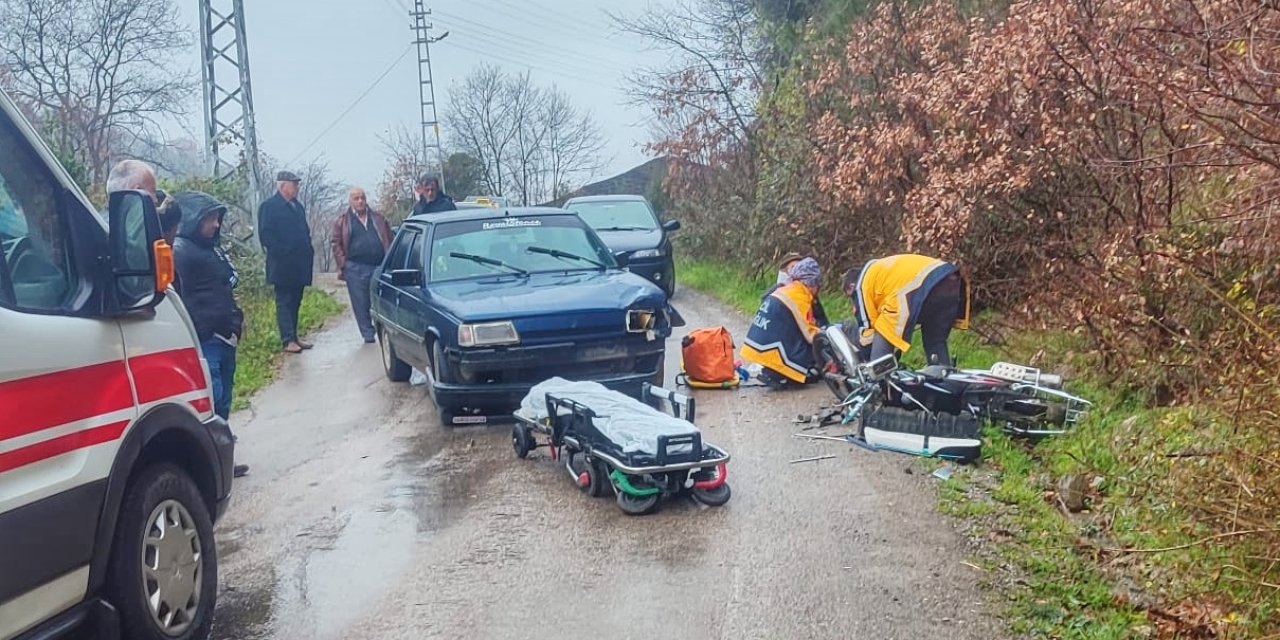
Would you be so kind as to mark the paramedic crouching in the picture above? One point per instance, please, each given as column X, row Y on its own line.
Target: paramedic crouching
column 892, row 295
column 780, row 338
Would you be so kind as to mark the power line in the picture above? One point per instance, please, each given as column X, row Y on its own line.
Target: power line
column 568, row 56
column 354, row 104
column 519, row 63
column 575, row 24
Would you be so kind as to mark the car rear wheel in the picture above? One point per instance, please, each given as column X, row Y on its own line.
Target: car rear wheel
column 397, row 370
column 163, row 574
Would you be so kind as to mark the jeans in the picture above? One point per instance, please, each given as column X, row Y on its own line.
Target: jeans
column 222, row 369
column 359, row 278
column 288, row 301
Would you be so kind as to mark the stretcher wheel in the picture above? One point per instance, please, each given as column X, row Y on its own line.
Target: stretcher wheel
column 716, row 497
column 596, row 482
column 636, row 505
column 521, row 441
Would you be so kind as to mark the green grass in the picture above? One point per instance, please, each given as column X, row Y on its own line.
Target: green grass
column 1060, row 576
column 259, row 348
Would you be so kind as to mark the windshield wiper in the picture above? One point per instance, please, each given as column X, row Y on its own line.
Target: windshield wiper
column 488, row 262
column 556, row 253
column 624, row 229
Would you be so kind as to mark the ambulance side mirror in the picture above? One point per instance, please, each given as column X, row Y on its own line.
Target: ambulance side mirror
column 141, row 262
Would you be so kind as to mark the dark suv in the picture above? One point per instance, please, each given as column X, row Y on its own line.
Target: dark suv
column 490, row 302
column 631, row 227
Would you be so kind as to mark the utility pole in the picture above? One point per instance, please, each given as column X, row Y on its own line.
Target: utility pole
column 426, row 88
column 231, row 142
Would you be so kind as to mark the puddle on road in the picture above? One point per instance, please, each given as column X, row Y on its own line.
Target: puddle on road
column 345, row 574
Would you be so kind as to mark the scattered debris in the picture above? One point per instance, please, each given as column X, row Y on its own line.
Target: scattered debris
column 823, row 437
column 812, row 459
column 944, row 472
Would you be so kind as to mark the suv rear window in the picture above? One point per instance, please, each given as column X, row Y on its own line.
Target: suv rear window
column 509, row 240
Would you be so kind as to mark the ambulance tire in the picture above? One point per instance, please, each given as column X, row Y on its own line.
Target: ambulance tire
column 163, row 489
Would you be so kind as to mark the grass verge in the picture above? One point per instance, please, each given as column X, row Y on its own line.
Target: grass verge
column 1136, row 562
column 259, row 348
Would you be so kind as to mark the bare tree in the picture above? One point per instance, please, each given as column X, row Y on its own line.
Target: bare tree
column 573, row 143
column 96, row 73
column 530, row 142
column 482, row 122
column 394, row 196
column 716, row 71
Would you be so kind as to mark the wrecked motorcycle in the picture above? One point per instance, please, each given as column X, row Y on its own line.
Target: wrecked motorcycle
column 939, row 410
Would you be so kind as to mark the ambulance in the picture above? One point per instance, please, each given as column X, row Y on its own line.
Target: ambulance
column 113, row 466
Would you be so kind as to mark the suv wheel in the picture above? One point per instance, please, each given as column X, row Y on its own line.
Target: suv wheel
column 163, row 574
column 397, row 370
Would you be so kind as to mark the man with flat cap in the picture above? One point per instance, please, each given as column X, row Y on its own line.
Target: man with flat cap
column 286, row 237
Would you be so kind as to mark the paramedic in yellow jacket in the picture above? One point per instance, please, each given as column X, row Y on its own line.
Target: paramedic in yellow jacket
column 780, row 338
column 892, row 296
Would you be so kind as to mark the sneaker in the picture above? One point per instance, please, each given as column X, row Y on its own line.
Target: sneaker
column 240, row 470
column 305, row 345
column 292, row 347
column 368, row 341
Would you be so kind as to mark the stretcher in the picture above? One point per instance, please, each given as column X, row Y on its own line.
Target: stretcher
column 612, row 443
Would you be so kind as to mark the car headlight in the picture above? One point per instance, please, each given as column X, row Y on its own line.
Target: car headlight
column 487, row 334
column 641, row 320
column 647, row 253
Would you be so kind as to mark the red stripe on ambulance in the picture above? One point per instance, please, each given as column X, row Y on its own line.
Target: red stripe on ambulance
column 29, row 405
column 57, row 446
column 167, row 373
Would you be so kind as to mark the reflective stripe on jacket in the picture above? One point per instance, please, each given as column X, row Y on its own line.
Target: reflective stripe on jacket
column 780, row 337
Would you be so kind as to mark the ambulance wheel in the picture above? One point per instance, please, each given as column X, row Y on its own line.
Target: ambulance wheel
column 522, row 441
column 716, row 497
column 163, row 572
column 636, row 505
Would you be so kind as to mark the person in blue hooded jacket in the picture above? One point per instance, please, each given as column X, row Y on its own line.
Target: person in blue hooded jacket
column 205, row 281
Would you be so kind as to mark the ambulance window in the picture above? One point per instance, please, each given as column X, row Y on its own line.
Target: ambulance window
column 38, row 273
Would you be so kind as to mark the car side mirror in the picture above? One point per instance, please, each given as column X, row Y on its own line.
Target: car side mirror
column 406, row 278
column 623, row 259
column 671, row 225
column 141, row 261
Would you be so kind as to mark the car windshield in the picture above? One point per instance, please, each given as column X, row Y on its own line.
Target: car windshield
column 531, row 244
column 618, row 215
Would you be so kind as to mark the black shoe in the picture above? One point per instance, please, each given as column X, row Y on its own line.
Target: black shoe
column 240, row 470
column 368, row 340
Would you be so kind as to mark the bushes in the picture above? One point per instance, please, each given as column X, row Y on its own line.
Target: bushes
column 1109, row 169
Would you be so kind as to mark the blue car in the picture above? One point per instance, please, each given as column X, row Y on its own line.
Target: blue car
column 489, row 302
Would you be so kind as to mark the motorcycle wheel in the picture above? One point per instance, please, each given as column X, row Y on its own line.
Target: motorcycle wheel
column 827, row 360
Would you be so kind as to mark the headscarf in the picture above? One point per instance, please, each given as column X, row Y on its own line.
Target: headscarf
column 808, row 272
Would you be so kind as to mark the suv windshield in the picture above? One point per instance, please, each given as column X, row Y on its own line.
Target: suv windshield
column 620, row 215
column 529, row 244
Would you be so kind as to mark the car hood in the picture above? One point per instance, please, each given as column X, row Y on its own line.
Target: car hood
column 546, row 294
column 631, row 240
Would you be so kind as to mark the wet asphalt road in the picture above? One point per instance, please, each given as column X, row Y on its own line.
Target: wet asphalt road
column 363, row 518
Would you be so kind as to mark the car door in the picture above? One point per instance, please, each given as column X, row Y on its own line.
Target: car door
column 413, row 303
column 66, row 399
column 408, row 344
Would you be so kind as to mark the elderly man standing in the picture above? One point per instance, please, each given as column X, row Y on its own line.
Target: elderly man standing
column 359, row 239
column 286, row 236
column 431, row 199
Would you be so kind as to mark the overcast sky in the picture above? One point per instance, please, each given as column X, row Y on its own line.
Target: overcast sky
column 311, row 59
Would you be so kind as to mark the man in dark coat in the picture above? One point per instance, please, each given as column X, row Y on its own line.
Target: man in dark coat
column 431, row 199
column 359, row 239
column 205, row 282
column 284, row 233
